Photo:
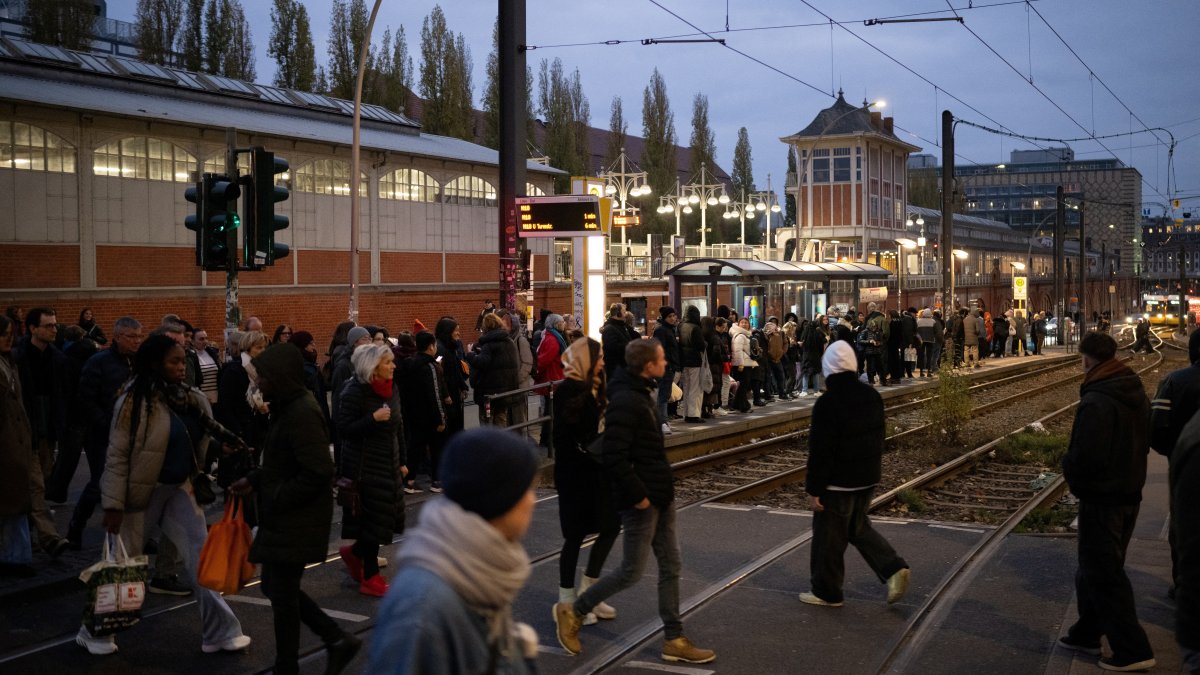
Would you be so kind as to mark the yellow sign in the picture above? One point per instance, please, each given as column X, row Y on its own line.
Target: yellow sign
column 626, row 221
column 1020, row 288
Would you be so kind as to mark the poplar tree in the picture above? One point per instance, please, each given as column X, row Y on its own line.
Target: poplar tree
column 742, row 179
column 155, row 25
column 445, row 78
column 217, row 33
column 491, row 97
column 658, row 157
column 704, row 146
column 347, row 30
column 63, row 23
column 239, row 51
column 617, row 128
column 565, row 110
column 191, row 38
column 291, row 45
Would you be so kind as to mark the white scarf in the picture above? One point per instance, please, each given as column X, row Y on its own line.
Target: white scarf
column 480, row 564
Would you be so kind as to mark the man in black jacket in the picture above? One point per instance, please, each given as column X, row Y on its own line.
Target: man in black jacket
column 424, row 399
column 1185, row 519
column 668, row 338
column 636, row 463
column 1105, row 466
column 845, row 450
column 1174, row 404
column 295, row 509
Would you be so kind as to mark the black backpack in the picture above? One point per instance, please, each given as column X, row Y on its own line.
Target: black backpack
column 756, row 345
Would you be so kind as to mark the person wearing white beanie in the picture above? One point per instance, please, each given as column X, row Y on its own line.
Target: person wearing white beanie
column 845, row 451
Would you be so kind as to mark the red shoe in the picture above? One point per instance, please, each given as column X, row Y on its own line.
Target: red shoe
column 375, row 586
column 353, row 564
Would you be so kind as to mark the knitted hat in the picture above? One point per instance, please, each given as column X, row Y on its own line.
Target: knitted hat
column 839, row 358
column 418, row 326
column 665, row 311
column 487, row 470
column 357, row 333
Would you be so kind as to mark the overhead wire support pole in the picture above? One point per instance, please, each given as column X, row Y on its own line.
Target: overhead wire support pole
column 947, row 213
column 511, row 47
column 352, row 313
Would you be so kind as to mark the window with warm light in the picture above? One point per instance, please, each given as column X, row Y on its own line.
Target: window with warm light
column 410, row 185
column 327, row 177
column 469, row 191
column 30, row 148
column 145, row 158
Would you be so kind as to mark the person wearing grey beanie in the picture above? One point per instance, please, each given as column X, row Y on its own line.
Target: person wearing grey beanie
column 462, row 566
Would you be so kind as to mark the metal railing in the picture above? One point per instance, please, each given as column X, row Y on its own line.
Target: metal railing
column 545, row 389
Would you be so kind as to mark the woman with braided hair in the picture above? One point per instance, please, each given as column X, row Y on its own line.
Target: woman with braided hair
column 159, row 436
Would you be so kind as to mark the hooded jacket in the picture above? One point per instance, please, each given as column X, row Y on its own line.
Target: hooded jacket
column 450, row 350
column 614, row 336
column 295, row 507
column 1176, row 401
column 972, row 328
column 740, row 338
column 691, row 339
column 666, row 335
column 1106, row 459
column 845, row 441
column 927, row 327
column 494, row 365
column 1185, row 512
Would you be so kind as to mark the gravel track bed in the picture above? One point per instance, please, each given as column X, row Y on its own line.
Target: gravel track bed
column 913, row 456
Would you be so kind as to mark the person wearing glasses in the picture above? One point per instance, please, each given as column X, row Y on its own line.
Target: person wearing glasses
column 283, row 333
column 47, row 396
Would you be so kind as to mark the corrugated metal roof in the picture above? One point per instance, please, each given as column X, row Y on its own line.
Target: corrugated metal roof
column 216, row 114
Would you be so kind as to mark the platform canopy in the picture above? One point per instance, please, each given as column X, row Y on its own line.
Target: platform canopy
column 725, row 271
column 740, row 270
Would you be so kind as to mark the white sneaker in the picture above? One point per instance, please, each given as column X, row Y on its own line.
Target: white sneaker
column 720, row 412
column 100, row 646
column 802, row 394
column 666, row 429
column 233, row 644
column 381, row 561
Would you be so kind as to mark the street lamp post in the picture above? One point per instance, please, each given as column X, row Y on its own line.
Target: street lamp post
column 766, row 203
column 676, row 204
column 960, row 255
column 705, row 194
column 739, row 209
column 624, row 184
column 805, row 170
column 901, row 244
column 918, row 221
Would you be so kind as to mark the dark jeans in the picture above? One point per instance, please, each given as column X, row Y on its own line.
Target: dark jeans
column 664, row 393
column 930, row 353
column 740, row 401
column 290, row 605
column 1103, row 591
column 646, row 530
column 844, row 521
column 778, row 379
column 874, row 361
column 89, row 499
column 426, row 446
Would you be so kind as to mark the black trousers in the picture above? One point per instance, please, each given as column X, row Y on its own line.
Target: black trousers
column 1103, row 591
column 290, row 605
column 740, row 400
column 844, row 521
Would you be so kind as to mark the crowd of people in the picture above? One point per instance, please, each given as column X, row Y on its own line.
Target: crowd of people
column 383, row 416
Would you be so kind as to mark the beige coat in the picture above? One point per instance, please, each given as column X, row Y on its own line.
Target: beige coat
column 131, row 471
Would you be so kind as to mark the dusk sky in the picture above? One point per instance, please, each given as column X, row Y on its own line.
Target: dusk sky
column 1144, row 52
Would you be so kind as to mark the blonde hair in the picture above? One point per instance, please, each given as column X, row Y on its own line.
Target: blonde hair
column 492, row 321
column 248, row 340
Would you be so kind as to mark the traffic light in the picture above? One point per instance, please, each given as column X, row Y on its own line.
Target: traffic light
column 261, row 247
column 213, row 219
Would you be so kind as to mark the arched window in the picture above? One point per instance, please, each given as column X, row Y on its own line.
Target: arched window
column 532, row 190
column 145, row 158
column 408, row 185
column 216, row 164
column 470, row 191
column 326, row 177
column 31, row 148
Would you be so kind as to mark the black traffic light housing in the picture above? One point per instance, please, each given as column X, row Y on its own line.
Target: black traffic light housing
column 260, row 247
column 215, row 197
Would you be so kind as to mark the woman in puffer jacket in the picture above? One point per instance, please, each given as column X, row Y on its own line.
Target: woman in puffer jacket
column 373, row 455
column 743, row 365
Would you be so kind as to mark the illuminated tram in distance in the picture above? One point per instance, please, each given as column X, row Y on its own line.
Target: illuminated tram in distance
column 1163, row 310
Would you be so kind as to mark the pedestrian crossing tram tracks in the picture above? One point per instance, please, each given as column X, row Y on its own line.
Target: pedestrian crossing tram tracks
column 761, row 466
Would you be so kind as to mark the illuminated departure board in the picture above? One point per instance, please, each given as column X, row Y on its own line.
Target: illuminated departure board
column 560, row 216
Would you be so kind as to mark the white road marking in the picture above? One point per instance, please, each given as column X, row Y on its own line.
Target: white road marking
column 727, row 507
column 959, row 529
column 345, row 616
column 799, row 514
column 647, row 665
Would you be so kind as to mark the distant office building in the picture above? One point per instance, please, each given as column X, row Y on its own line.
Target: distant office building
column 1041, row 156
column 922, row 161
column 1022, row 195
column 1165, row 241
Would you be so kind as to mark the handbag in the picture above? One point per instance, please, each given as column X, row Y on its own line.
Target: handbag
column 910, row 353
column 225, row 564
column 202, row 489
column 348, row 496
column 116, row 589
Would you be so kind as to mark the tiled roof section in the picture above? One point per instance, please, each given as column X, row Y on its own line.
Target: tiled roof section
column 854, row 120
